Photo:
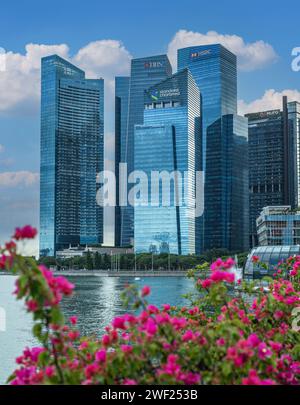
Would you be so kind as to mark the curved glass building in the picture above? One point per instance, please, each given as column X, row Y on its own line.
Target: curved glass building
column 271, row 255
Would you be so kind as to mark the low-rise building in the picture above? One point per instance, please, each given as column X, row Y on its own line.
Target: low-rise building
column 278, row 225
column 75, row 251
column 268, row 258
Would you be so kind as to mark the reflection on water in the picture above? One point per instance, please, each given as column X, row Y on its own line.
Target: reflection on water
column 96, row 302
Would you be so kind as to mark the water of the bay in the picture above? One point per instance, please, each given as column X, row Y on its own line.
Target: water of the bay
column 96, row 302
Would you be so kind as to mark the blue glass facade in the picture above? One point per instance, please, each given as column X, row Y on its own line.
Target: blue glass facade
column 145, row 72
column 72, row 153
column 214, row 70
column 227, row 185
column 224, row 146
column 169, row 141
column 121, row 120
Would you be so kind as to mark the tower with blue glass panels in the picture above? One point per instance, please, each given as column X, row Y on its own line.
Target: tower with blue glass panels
column 145, row 72
column 224, row 137
column 72, row 153
column 168, row 143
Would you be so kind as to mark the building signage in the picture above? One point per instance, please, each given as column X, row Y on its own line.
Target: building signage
column 269, row 113
column 155, row 94
column 169, row 93
column 153, row 64
column 199, row 54
column 264, row 114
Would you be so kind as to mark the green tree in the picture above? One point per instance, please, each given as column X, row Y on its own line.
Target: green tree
column 89, row 261
column 98, row 261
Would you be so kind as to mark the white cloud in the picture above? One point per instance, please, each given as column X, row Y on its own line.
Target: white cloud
column 13, row 179
column 271, row 100
column 106, row 58
column 251, row 56
column 20, row 82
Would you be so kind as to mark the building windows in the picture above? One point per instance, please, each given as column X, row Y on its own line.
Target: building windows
column 145, row 72
column 72, row 153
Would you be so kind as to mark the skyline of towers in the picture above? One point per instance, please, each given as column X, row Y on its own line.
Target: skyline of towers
column 72, row 149
column 72, row 153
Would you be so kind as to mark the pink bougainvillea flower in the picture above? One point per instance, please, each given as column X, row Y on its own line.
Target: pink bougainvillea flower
column 220, row 342
column 264, row 351
column 145, row 291
column 6, row 261
column 27, row 232
column 100, row 356
column 73, row 319
column 152, row 309
column 188, row 336
column 126, row 348
column 32, row 305
column 128, row 381
column 206, row 283
column 50, row 371
column 253, row 340
column 119, row 323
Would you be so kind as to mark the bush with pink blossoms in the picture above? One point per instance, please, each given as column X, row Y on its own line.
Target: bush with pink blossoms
column 226, row 335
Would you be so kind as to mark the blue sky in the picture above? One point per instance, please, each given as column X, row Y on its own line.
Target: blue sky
column 134, row 28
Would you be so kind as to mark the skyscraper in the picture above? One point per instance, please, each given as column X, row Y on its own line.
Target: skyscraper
column 273, row 140
column 168, row 143
column 226, row 191
column 121, row 120
column 214, row 69
column 145, row 72
column 72, row 153
column 293, row 108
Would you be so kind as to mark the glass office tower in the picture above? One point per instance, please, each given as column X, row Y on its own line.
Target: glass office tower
column 72, row 153
column 169, row 141
column 214, row 69
column 273, row 160
column 121, row 120
column 293, row 111
column 145, row 72
column 227, row 185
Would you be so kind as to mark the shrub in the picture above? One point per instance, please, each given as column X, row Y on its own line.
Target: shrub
column 226, row 335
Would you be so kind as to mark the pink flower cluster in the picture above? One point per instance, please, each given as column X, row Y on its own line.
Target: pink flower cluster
column 58, row 287
column 216, row 340
column 253, row 379
column 172, row 368
column 219, row 273
column 27, row 232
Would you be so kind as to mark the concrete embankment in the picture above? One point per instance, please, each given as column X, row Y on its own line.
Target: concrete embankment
column 121, row 273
